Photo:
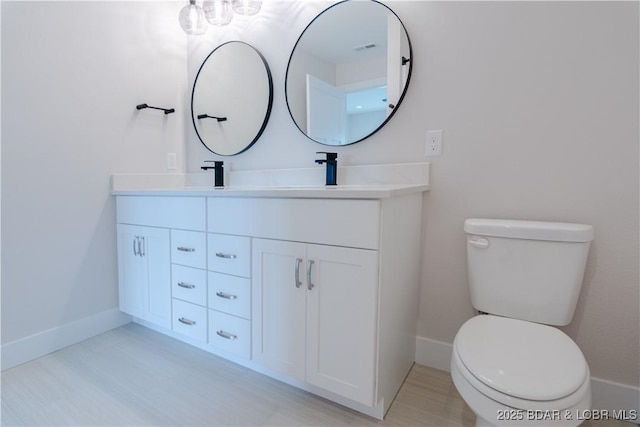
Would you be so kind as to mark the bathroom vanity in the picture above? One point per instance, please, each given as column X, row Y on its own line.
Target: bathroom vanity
column 314, row 286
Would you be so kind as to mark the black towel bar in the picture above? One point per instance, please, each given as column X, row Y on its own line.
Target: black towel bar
column 166, row 110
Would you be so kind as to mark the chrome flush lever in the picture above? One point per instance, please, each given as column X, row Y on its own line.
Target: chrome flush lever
column 480, row 243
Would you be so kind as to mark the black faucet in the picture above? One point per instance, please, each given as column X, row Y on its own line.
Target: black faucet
column 332, row 167
column 218, row 167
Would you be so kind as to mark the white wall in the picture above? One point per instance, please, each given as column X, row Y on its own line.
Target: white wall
column 539, row 106
column 72, row 74
column 529, row 96
column 538, row 102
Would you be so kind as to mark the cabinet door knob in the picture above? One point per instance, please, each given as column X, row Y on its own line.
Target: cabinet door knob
column 183, row 249
column 186, row 285
column 309, row 265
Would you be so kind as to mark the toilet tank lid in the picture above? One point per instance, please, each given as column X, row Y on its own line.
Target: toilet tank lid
column 532, row 230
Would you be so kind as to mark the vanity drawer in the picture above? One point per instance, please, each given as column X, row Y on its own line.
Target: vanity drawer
column 189, row 248
column 336, row 222
column 190, row 320
column 189, row 284
column 186, row 213
column 230, row 333
column 230, row 294
column 229, row 254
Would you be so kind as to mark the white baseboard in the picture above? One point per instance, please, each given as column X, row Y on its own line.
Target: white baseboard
column 606, row 395
column 434, row 354
column 28, row 348
column 616, row 397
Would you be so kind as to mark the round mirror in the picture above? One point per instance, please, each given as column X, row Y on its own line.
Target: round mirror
column 232, row 98
column 348, row 72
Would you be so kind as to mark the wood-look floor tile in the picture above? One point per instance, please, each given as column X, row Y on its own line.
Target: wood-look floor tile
column 132, row 376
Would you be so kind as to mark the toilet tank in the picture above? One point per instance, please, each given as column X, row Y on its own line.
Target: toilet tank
column 528, row 270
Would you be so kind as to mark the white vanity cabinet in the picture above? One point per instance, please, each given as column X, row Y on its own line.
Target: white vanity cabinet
column 153, row 231
column 320, row 292
column 315, row 314
column 334, row 290
column 144, row 273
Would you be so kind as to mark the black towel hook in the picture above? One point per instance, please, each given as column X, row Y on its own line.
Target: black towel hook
column 166, row 110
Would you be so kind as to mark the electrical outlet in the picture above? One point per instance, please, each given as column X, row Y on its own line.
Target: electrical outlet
column 434, row 143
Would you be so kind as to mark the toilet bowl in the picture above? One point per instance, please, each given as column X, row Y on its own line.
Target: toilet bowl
column 513, row 372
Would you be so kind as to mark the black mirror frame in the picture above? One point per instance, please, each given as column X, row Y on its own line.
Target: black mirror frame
column 404, row 91
column 269, row 105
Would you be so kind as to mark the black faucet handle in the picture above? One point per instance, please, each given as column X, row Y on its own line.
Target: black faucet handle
column 216, row 163
column 219, row 171
column 332, row 166
column 331, row 157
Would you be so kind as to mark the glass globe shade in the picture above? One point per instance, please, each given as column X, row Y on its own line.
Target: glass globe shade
column 218, row 12
column 247, row 7
column 192, row 19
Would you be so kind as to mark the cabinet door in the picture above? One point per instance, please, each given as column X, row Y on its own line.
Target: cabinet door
column 144, row 273
column 341, row 321
column 278, row 327
column 131, row 274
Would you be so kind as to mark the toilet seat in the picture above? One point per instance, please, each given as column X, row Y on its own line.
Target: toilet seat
column 521, row 364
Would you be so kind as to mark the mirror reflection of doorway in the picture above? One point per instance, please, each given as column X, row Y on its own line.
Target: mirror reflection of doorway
column 326, row 112
column 366, row 109
column 336, row 115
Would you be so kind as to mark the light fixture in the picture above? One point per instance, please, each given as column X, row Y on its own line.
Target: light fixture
column 247, row 7
column 218, row 12
column 192, row 19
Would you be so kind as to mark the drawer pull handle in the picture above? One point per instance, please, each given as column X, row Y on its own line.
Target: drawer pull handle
column 309, row 265
column 226, row 256
column 183, row 249
column 297, row 272
column 226, row 335
column 141, row 245
column 186, row 285
column 138, row 246
column 186, row 321
column 226, row 295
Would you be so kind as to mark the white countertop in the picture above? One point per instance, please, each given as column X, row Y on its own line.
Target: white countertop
column 324, row 192
column 355, row 182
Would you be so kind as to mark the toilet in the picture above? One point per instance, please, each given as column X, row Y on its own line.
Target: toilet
column 509, row 365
